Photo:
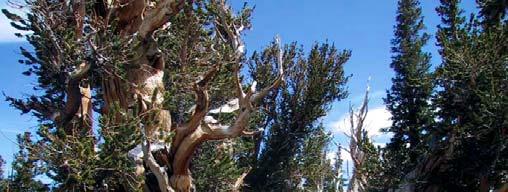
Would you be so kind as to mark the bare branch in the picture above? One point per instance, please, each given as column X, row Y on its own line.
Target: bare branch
column 200, row 109
column 202, row 99
column 238, row 83
column 218, row 131
column 358, row 181
column 246, row 101
column 252, row 133
column 233, row 31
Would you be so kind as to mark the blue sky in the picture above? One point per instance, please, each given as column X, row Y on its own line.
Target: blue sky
column 365, row 27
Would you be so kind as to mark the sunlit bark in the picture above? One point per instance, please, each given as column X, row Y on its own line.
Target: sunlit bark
column 144, row 89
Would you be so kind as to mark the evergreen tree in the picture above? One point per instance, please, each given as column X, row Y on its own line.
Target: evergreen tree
column 123, row 61
column 114, row 165
column 219, row 166
column 373, row 166
column 408, row 98
column 315, row 169
column 25, row 168
column 311, row 84
column 2, row 163
column 154, row 88
column 493, row 12
column 469, row 142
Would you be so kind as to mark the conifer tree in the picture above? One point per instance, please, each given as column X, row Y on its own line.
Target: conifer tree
column 2, row 163
column 311, row 84
column 155, row 73
column 25, row 169
column 130, row 62
column 315, row 169
column 408, row 98
column 469, row 141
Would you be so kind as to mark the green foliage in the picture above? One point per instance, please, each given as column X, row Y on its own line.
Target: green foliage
column 115, row 169
column 2, row 163
column 372, row 165
column 81, row 160
column 216, row 165
column 219, row 164
column 4, row 183
column 25, row 168
column 408, row 98
column 311, row 84
column 68, row 160
column 453, row 140
column 312, row 164
column 472, row 106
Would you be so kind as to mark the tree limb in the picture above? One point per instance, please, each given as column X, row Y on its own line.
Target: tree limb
column 159, row 172
column 158, row 16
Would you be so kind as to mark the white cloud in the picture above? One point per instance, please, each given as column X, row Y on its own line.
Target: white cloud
column 331, row 157
column 377, row 118
column 344, row 155
column 7, row 31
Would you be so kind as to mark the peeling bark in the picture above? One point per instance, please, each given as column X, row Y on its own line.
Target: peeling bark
column 143, row 88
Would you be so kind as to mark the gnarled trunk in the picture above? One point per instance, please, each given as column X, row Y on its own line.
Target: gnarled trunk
column 143, row 89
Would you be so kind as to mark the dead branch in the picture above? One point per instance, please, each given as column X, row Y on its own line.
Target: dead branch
column 358, row 181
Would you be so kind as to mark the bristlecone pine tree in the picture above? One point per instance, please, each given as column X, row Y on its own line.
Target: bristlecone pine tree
column 408, row 98
column 291, row 114
column 288, row 136
column 111, row 75
column 469, row 143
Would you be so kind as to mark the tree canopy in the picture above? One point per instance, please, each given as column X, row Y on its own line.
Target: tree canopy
column 160, row 95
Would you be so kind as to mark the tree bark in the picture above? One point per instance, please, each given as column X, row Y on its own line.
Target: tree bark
column 358, row 181
column 144, row 88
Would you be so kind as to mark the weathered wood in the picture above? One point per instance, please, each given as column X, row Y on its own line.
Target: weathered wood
column 143, row 87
